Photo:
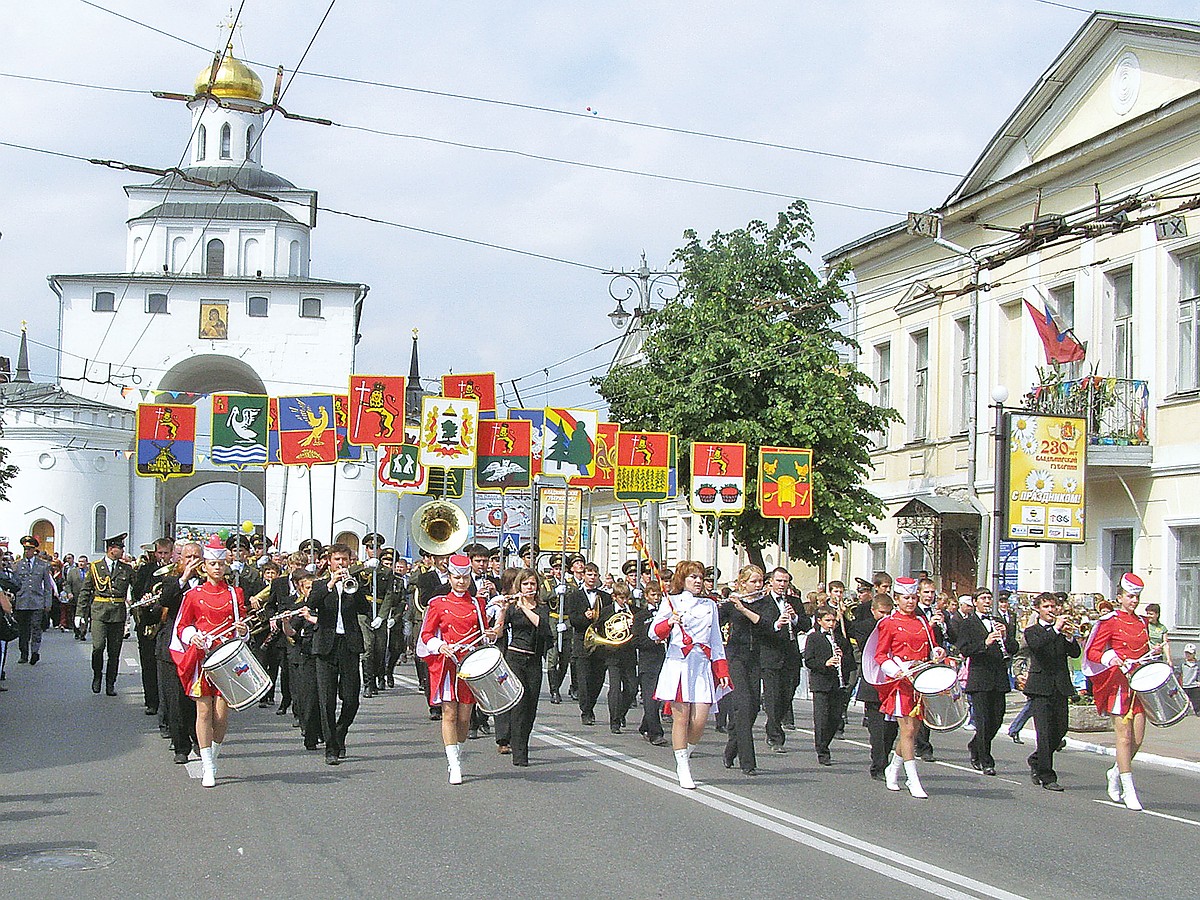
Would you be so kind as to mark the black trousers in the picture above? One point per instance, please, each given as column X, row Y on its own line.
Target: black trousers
column 649, row 668
column 883, row 736
column 304, row 695
column 29, row 630
column 622, row 688
column 180, row 708
column 827, row 717
column 989, row 713
column 337, row 679
column 588, row 679
column 149, row 663
column 791, row 672
column 558, row 661
column 528, row 669
column 747, row 697
column 1050, row 718
column 775, row 701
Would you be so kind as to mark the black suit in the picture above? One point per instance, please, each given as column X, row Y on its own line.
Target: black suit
column 180, row 708
column 781, row 660
column 621, row 663
column 987, row 682
column 337, row 656
column 744, row 651
column 923, row 744
column 589, row 667
column 650, row 658
column 1048, row 685
column 828, row 684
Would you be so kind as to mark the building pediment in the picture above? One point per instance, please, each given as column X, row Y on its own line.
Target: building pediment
column 920, row 295
column 1115, row 69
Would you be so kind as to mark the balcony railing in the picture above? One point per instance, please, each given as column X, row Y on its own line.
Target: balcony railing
column 1115, row 408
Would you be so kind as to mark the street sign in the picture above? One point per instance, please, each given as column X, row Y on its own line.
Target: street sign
column 923, row 224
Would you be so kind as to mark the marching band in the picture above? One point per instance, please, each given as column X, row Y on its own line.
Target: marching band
column 481, row 638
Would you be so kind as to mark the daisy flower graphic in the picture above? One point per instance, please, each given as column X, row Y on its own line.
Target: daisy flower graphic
column 1070, row 485
column 1039, row 480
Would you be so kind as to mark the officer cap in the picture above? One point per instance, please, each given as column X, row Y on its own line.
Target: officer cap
column 117, row 540
column 373, row 540
column 310, row 544
column 237, row 542
column 29, row 541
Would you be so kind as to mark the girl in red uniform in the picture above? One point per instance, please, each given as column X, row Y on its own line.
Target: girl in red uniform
column 206, row 611
column 452, row 621
column 899, row 642
column 1119, row 640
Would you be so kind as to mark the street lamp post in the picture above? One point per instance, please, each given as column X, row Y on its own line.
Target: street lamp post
column 999, row 395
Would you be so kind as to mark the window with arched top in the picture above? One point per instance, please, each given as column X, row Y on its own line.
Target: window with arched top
column 43, row 530
column 252, row 257
column 226, row 142
column 99, row 528
column 179, row 254
column 250, row 142
column 201, row 143
column 294, row 259
column 214, row 258
column 138, row 244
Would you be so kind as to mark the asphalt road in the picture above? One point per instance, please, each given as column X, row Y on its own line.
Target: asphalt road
column 92, row 805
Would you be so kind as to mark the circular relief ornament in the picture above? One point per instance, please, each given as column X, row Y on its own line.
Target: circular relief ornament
column 100, row 464
column 46, row 460
column 1126, row 79
column 349, row 470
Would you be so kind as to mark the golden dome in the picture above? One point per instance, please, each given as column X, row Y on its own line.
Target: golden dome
column 234, row 79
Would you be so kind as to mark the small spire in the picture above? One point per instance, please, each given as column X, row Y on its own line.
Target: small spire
column 22, row 375
column 412, row 391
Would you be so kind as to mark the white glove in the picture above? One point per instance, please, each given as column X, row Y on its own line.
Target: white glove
column 562, row 626
column 560, row 590
column 371, row 563
column 391, row 621
column 311, row 567
column 263, row 560
column 637, row 593
column 79, row 620
column 376, row 622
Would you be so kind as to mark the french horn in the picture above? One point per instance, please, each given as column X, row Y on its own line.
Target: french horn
column 618, row 631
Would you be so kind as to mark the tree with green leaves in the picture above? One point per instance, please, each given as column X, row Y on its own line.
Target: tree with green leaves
column 7, row 471
column 749, row 352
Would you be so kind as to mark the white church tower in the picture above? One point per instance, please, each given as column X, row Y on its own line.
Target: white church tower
column 216, row 296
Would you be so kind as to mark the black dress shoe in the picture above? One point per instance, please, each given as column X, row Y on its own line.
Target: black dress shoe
column 615, row 729
column 750, row 772
column 989, row 770
column 96, row 685
column 976, row 765
column 1034, row 778
column 721, row 729
column 34, row 657
column 779, row 748
column 23, row 659
column 180, row 758
column 1016, row 739
column 110, row 691
column 839, row 735
column 331, row 759
column 434, row 713
column 573, row 694
column 588, row 720
column 150, row 712
column 1052, row 786
column 555, row 697
column 485, row 728
column 728, row 759
column 825, row 762
column 928, row 757
column 473, row 734
column 282, row 711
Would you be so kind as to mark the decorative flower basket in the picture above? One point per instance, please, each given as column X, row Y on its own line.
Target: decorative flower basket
column 1084, row 717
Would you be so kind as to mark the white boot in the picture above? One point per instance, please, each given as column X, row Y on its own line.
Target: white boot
column 684, row 770
column 454, row 763
column 1128, row 794
column 208, row 772
column 691, row 749
column 1114, row 785
column 892, row 773
column 913, row 782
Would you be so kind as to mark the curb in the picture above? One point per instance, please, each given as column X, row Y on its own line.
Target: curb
column 1153, row 759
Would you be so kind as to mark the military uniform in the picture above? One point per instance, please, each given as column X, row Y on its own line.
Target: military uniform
column 102, row 599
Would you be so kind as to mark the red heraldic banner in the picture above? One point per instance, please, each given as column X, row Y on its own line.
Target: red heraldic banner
column 307, row 430
column 166, row 440
column 718, row 478
column 604, row 469
column 785, row 483
column 480, row 386
column 643, row 466
column 376, row 410
column 502, row 458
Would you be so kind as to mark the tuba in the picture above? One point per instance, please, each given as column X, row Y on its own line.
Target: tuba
column 618, row 631
column 439, row 527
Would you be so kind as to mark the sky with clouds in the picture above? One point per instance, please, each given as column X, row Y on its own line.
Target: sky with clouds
column 921, row 85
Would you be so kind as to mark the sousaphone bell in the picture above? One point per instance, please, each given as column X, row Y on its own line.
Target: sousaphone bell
column 440, row 528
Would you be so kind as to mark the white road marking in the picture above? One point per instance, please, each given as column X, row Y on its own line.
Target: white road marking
column 1148, row 812
column 916, row 873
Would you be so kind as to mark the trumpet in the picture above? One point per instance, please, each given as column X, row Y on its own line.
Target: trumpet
column 349, row 585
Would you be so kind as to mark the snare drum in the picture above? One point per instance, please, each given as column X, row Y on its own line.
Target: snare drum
column 496, row 688
column 236, row 674
column 943, row 703
column 1161, row 694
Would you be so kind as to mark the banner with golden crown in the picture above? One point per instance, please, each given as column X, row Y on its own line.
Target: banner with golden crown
column 718, row 478
column 643, row 466
column 449, row 429
column 785, row 483
column 166, row 440
column 376, row 410
column 478, row 386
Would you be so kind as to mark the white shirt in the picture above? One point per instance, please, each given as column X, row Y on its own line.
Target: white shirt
column 340, row 628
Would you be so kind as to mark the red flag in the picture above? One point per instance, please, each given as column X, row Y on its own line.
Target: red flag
column 1060, row 346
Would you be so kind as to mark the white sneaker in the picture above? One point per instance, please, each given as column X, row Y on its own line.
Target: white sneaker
column 914, row 782
column 1114, row 785
column 683, row 770
column 208, row 771
column 892, row 773
column 453, row 764
column 1128, row 793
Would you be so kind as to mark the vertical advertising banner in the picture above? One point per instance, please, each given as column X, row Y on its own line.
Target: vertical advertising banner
column 239, row 430
column 560, row 514
column 718, row 478
column 166, row 440
column 643, row 466
column 785, row 483
column 376, row 410
column 503, row 455
column 1046, row 461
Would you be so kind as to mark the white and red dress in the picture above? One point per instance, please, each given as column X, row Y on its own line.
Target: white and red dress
column 1118, row 637
column 207, row 609
column 449, row 619
column 695, row 658
column 900, row 641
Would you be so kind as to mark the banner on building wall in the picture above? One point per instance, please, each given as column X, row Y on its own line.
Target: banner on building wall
column 718, row 478
column 560, row 517
column 785, row 483
column 307, row 430
column 1045, row 463
column 503, row 455
column 643, row 466
column 376, row 410
column 240, row 424
column 166, row 440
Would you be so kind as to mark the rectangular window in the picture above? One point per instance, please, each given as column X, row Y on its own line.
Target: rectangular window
column 1064, row 557
column 1120, row 306
column 919, row 406
column 310, row 308
column 962, row 354
column 156, row 303
column 1188, row 367
column 1120, row 557
column 104, row 301
column 883, row 380
column 878, row 558
column 914, row 558
column 1187, row 577
column 256, row 307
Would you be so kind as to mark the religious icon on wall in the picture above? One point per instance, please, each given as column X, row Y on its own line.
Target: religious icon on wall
column 214, row 320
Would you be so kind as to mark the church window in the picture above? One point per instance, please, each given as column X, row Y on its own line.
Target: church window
column 256, row 307
column 214, row 258
column 104, row 301
column 226, row 141
column 201, row 143
column 156, row 303
column 310, row 307
column 250, row 142
column 294, row 259
column 99, row 528
column 179, row 254
column 253, row 259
